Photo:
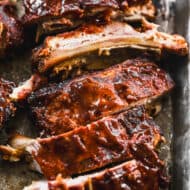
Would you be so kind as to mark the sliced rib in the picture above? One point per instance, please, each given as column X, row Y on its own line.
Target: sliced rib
column 66, row 15
column 87, row 148
column 68, row 47
column 22, row 91
column 64, row 106
column 131, row 175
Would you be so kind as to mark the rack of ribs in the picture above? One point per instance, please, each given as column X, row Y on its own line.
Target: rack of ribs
column 59, row 15
column 72, row 49
column 110, row 140
column 123, row 176
column 9, row 25
column 62, row 107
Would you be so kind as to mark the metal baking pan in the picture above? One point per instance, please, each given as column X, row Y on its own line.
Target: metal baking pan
column 174, row 119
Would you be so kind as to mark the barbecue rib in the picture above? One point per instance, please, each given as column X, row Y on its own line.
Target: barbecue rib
column 124, row 176
column 87, row 148
column 66, row 15
column 11, row 33
column 72, row 48
column 6, row 106
column 62, row 107
column 21, row 92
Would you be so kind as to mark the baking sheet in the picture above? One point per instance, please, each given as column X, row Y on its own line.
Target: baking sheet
column 181, row 105
column 174, row 118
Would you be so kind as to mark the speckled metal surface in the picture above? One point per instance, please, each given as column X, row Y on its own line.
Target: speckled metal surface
column 175, row 112
column 181, row 105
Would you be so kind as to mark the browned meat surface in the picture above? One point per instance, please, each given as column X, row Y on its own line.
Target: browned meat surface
column 43, row 10
column 9, row 94
column 73, row 47
column 56, row 16
column 6, row 106
column 131, row 175
column 110, row 140
column 11, row 34
column 64, row 106
column 21, row 92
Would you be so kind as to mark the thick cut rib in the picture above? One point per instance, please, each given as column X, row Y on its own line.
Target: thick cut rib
column 92, row 38
column 44, row 10
column 9, row 94
column 62, row 107
column 110, row 140
column 131, row 175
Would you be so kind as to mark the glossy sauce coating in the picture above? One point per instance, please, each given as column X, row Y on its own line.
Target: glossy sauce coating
column 65, row 48
column 62, row 107
column 11, row 31
column 97, row 145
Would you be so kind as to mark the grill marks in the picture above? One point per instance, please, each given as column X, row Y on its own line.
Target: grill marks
column 62, row 107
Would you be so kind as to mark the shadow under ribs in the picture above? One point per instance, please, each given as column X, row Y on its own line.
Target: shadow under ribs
column 62, row 107
column 110, row 140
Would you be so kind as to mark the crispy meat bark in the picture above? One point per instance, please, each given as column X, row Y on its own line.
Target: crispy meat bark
column 11, row 31
column 9, row 94
column 64, row 106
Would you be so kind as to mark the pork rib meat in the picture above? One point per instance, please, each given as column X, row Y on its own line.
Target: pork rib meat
column 124, row 175
column 62, row 107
